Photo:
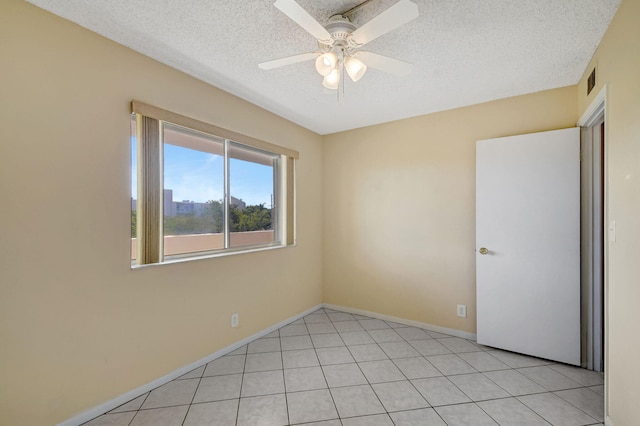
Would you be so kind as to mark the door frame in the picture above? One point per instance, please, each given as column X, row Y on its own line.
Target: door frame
column 591, row 245
column 595, row 113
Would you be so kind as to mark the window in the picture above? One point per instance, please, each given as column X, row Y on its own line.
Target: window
column 199, row 190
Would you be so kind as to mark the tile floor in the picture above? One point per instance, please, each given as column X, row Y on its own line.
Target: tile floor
column 332, row 368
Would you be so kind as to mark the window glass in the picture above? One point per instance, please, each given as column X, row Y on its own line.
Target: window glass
column 197, row 193
column 252, row 213
column 193, row 191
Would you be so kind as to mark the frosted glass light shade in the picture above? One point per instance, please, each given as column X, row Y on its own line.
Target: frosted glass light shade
column 332, row 80
column 355, row 68
column 325, row 63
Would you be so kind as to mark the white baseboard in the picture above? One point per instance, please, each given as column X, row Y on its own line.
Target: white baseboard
column 118, row 401
column 426, row 326
column 607, row 421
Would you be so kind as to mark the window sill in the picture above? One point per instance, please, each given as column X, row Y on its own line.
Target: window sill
column 188, row 258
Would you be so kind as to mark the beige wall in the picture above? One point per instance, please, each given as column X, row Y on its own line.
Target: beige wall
column 79, row 327
column 618, row 66
column 399, row 206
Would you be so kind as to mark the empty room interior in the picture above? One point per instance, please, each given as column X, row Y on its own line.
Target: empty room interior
column 358, row 287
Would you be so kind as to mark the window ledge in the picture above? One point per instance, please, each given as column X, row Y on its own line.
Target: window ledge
column 188, row 258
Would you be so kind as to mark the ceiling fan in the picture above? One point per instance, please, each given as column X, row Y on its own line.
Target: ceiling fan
column 339, row 42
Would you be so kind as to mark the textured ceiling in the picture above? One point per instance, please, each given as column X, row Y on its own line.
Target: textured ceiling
column 464, row 51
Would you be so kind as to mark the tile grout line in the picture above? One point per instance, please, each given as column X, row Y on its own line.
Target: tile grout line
column 365, row 377
column 394, row 364
column 401, row 372
column 325, row 377
column 495, row 420
column 582, row 386
column 412, row 384
column 194, row 394
column 138, row 410
column 573, row 405
column 371, row 385
column 404, row 375
column 588, row 415
column 510, row 396
column 244, row 367
column 284, row 383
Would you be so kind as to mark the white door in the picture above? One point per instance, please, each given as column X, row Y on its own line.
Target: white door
column 528, row 244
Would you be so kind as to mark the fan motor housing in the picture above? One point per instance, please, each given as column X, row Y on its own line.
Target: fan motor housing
column 340, row 29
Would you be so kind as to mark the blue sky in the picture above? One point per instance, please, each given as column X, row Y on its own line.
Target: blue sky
column 198, row 176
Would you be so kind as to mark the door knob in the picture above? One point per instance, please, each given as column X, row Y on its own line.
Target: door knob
column 483, row 250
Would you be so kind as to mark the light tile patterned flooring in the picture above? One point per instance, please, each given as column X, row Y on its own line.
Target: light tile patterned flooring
column 332, row 368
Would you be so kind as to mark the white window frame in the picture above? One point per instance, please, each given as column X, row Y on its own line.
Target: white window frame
column 149, row 143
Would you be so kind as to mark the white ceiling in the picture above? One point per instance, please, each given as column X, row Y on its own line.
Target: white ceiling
column 464, row 51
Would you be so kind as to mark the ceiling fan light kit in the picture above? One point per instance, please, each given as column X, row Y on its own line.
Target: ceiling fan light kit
column 326, row 63
column 340, row 40
column 355, row 68
column 332, row 80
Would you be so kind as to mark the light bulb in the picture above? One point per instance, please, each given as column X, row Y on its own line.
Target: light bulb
column 325, row 63
column 331, row 80
column 355, row 68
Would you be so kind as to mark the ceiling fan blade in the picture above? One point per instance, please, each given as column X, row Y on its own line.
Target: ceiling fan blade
column 392, row 18
column 288, row 60
column 384, row 63
column 301, row 17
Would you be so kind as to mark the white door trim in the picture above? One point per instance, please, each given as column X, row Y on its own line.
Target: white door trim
column 592, row 226
column 594, row 112
column 596, row 109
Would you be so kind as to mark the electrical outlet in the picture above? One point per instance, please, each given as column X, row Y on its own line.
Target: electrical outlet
column 462, row 311
column 235, row 318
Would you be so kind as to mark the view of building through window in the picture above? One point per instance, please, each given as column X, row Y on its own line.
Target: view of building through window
column 193, row 199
